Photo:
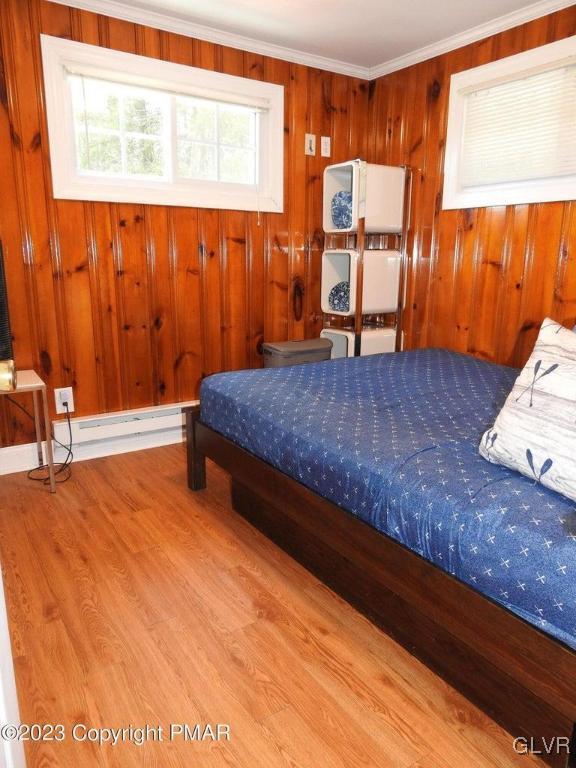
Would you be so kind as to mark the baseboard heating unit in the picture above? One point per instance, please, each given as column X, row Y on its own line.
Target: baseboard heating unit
column 105, row 434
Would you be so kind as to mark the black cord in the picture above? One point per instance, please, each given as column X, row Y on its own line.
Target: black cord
column 26, row 412
column 63, row 468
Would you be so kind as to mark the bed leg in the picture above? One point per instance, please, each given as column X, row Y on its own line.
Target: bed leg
column 571, row 761
column 196, row 459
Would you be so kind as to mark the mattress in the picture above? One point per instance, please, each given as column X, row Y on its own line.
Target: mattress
column 393, row 439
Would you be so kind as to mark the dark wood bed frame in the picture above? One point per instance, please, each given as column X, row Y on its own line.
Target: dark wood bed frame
column 520, row 676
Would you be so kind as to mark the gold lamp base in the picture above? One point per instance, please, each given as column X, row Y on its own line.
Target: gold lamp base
column 7, row 376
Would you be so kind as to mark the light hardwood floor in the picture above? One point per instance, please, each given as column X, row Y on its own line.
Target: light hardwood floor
column 132, row 601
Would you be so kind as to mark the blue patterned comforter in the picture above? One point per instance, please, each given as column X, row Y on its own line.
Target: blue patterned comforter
column 393, row 439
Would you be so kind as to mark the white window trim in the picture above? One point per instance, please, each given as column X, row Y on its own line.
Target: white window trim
column 61, row 56
column 530, row 62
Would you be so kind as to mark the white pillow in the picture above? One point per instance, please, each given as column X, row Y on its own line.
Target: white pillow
column 535, row 432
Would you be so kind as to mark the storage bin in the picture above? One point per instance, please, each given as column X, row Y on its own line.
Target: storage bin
column 376, row 191
column 278, row 354
column 381, row 280
column 372, row 342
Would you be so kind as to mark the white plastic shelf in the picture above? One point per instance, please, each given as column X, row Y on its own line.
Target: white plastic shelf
column 381, row 280
column 377, row 192
column 373, row 341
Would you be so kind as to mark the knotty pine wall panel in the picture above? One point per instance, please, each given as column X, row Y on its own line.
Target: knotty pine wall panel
column 134, row 304
column 478, row 280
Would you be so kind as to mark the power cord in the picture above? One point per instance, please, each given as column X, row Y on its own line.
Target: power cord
column 41, row 474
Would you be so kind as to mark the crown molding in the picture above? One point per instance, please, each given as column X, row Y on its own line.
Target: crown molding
column 472, row 35
column 122, row 9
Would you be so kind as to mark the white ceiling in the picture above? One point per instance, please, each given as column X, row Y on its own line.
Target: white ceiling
column 364, row 37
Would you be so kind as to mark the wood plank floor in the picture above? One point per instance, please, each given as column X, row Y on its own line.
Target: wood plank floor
column 133, row 601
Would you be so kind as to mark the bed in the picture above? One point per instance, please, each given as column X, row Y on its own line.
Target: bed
column 367, row 470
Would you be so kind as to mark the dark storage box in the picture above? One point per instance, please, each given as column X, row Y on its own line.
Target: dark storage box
column 281, row 353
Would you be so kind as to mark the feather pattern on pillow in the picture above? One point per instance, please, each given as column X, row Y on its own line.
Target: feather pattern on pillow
column 535, row 432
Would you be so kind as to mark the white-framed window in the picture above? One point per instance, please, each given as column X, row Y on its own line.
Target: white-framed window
column 127, row 128
column 512, row 130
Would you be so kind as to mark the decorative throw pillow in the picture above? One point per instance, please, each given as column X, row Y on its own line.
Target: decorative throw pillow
column 342, row 209
column 339, row 297
column 535, row 432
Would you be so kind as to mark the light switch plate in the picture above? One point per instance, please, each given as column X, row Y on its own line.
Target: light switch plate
column 310, row 144
column 325, row 146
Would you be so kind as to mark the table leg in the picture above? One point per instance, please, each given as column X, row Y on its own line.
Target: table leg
column 38, row 427
column 49, row 454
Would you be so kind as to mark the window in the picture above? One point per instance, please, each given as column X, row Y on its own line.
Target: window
column 126, row 128
column 124, row 131
column 512, row 130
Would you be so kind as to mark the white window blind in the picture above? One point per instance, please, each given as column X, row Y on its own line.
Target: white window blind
column 511, row 136
column 520, row 130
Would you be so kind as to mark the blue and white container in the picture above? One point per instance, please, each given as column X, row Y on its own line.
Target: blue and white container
column 357, row 188
column 381, row 282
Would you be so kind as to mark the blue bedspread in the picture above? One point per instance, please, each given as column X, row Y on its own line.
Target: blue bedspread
column 393, row 439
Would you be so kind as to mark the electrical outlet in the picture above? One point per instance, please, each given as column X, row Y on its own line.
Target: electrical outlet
column 325, row 146
column 310, row 144
column 64, row 395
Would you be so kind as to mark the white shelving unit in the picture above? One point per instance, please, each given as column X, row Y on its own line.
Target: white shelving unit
column 377, row 196
column 381, row 280
column 373, row 341
column 377, row 199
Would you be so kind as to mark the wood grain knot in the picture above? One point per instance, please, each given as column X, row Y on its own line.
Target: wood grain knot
column 298, row 298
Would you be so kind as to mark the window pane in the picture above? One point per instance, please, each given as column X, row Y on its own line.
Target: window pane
column 142, row 115
column 95, row 103
column 196, row 119
column 144, row 156
column 127, row 131
column 237, row 165
column 197, row 161
column 237, row 126
column 98, row 152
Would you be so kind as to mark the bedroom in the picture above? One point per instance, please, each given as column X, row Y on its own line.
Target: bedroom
column 184, row 190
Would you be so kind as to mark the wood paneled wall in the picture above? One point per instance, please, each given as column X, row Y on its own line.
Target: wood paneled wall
column 133, row 304
column 479, row 280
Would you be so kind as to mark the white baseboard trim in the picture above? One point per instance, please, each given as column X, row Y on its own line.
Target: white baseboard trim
column 22, row 458
column 18, row 458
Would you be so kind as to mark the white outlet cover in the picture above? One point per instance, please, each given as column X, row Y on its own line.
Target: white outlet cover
column 325, row 150
column 310, row 144
column 64, row 394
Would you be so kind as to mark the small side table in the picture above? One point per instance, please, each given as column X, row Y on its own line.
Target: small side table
column 29, row 381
